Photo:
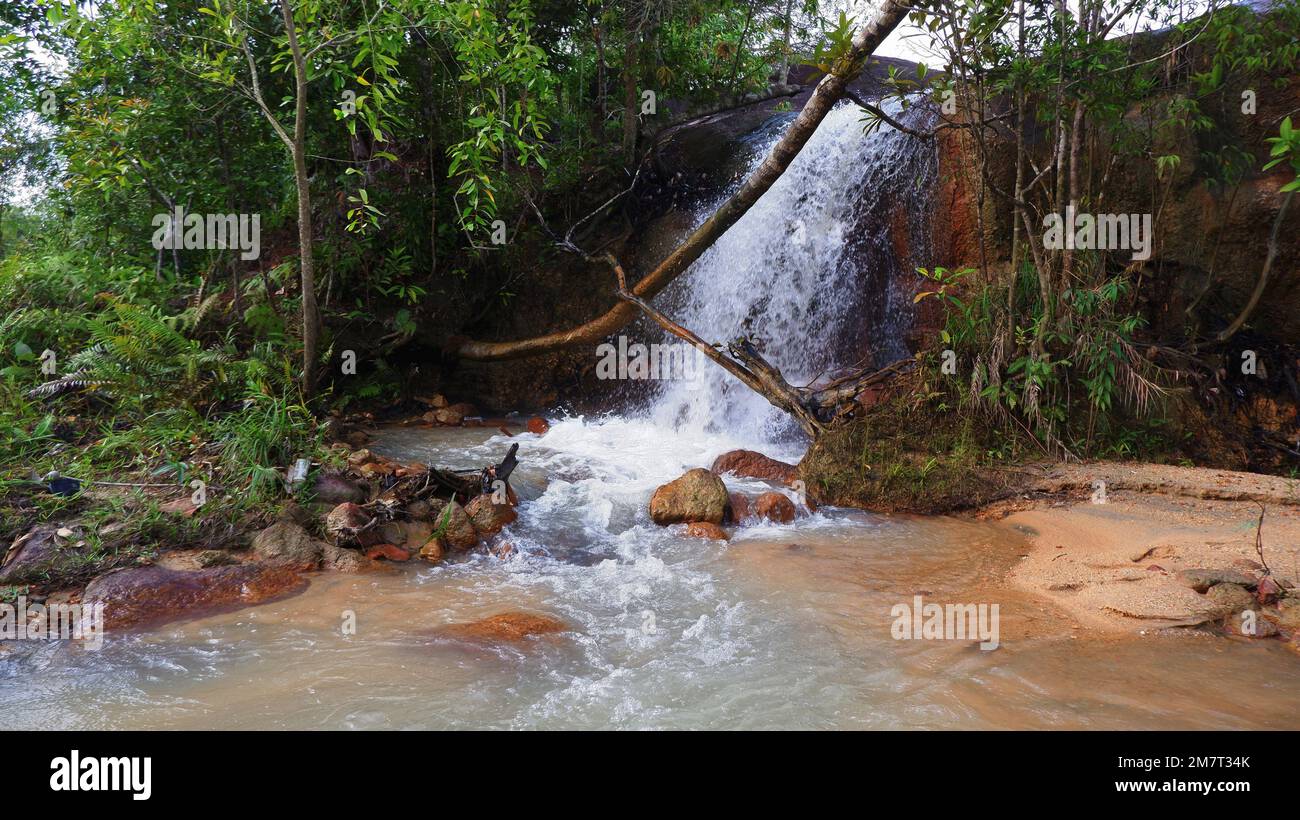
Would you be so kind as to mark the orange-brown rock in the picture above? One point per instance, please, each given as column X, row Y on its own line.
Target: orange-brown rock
column 433, row 550
column 738, row 507
column 489, row 518
column 698, row 495
column 148, row 596
column 703, row 529
column 538, row 425
column 507, row 626
column 390, row 552
column 774, row 507
column 750, row 464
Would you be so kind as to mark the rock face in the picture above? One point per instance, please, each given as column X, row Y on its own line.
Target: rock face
column 703, row 529
column 460, row 533
column 288, row 544
column 510, row 627
column 750, row 464
column 699, row 495
column 489, row 518
column 774, row 507
column 148, row 596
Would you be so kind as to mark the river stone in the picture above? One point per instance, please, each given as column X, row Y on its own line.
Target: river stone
column 489, row 518
column 698, row 495
column 459, row 531
column 751, row 464
column 149, row 596
column 341, row 559
column 510, row 627
column 738, row 507
column 538, row 426
column 344, row 521
column 703, row 529
column 288, row 544
column 774, row 507
column 434, row 550
column 1230, row 597
column 1202, row 580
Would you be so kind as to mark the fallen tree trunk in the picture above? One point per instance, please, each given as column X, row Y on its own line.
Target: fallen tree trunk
column 829, row 91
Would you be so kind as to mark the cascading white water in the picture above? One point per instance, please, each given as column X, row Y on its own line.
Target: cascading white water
column 809, row 273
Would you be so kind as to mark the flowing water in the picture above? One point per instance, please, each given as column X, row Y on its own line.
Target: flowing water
column 784, row 626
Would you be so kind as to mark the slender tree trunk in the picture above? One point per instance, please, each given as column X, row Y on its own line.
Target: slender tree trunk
column 783, row 72
column 829, row 91
column 631, row 118
column 306, row 261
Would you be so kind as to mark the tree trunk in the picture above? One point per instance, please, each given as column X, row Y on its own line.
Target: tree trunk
column 631, row 118
column 824, row 96
column 306, row 262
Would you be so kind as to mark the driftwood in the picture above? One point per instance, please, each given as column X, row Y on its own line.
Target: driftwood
column 814, row 409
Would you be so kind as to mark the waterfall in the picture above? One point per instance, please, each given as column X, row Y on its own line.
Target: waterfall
column 816, row 272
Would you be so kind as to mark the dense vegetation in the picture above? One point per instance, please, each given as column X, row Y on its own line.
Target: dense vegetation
column 387, row 148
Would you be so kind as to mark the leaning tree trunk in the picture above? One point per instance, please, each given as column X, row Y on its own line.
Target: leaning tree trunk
column 828, row 92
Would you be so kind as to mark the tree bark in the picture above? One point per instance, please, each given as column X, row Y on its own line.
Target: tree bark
column 306, row 261
column 828, row 91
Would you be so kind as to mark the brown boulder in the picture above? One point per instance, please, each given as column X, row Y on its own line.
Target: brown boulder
column 703, row 529
column 288, row 544
column 750, row 464
column 738, row 507
column 339, row 559
column 148, row 596
column 344, row 521
column 698, row 495
column 774, row 507
column 434, row 550
column 538, row 425
column 489, row 518
column 508, row 626
column 456, row 527
column 448, row 416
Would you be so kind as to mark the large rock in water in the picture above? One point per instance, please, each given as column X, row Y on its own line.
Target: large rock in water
column 489, row 518
column 460, row 533
column 750, row 464
column 774, row 507
column 699, row 495
column 288, row 544
column 149, row 596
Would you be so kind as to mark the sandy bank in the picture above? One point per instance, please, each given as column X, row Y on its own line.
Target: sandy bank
column 1112, row 564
